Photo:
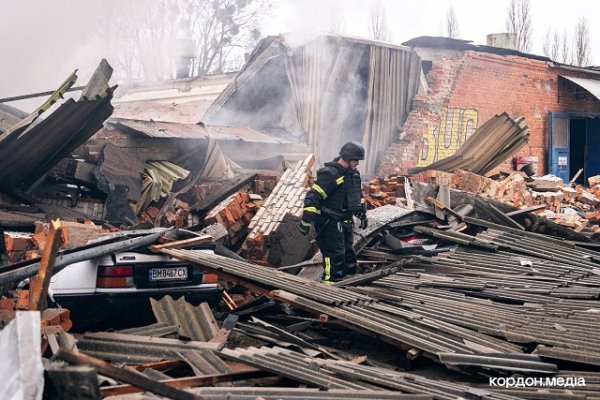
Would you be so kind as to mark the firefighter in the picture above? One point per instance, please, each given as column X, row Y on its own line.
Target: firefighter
column 330, row 204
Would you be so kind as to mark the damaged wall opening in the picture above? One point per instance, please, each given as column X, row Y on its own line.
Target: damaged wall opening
column 574, row 145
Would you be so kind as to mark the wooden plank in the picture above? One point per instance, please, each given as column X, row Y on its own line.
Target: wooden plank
column 443, row 207
column 182, row 244
column 572, row 181
column 125, row 375
column 151, row 341
column 194, row 381
column 525, row 210
column 39, row 286
column 504, row 218
column 223, row 334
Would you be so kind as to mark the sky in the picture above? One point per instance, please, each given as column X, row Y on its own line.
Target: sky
column 43, row 41
column 411, row 18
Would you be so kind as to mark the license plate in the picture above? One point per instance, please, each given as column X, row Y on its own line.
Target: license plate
column 168, row 274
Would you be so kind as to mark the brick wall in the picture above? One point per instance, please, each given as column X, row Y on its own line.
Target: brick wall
column 469, row 89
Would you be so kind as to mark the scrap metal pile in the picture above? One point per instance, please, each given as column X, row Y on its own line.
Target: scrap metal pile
column 480, row 299
column 463, row 282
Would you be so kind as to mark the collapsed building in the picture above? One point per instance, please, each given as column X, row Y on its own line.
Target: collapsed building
column 469, row 84
column 461, row 270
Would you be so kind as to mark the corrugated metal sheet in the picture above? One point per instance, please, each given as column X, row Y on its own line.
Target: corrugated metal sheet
column 135, row 349
column 28, row 152
column 196, row 323
column 269, row 278
column 26, row 121
column 491, row 144
column 181, row 101
column 26, row 159
column 205, row 362
column 157, row 329
column 465, row 45
column 156, row 129
column 188, row 113
column 178, row 91
column 266, row 393
column 591, row 85
column 289, row 364
column 342, row 89
column 393, row 81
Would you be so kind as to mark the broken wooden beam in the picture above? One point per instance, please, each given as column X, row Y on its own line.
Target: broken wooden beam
column 39, row 286
column 222, row 334
column 125, row 375
column 182, row 244
column 445, row 208
column 193, row 381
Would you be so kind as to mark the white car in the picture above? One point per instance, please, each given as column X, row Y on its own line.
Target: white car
column 115, row 289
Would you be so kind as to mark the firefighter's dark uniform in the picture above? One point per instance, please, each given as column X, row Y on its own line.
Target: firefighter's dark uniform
column 330, row 204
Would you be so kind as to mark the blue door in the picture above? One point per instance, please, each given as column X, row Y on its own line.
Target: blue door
column 592, row 151
column 558, row 160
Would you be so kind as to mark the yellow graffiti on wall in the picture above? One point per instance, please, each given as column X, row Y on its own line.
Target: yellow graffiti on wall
column 441, row 141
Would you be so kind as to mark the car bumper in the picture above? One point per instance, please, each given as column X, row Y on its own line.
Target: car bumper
column 131, row 309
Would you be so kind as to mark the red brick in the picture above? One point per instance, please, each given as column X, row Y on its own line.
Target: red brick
column 235, row 211
column 17, row 242
column 152, row 212
column 227, row 217
column 39, row 240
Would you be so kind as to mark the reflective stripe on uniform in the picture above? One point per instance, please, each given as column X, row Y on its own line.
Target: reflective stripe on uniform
column 317, row 188
column 362, row 201
column 312, row 210
column 327, row 273
column 339, row 180
column 305, row 223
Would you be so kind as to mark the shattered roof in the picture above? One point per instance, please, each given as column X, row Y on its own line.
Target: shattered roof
column 29, row 150
column 182, row 100
column 157, row 129
column 464, row 45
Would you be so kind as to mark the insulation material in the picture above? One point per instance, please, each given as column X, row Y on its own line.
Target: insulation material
column 21, row 370
column 158, row 180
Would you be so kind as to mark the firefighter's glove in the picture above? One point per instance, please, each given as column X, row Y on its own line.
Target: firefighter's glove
column 362, row 215
column 364, row 222
column 304, row 227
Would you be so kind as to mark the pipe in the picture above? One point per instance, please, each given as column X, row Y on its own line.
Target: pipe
column 71, row 258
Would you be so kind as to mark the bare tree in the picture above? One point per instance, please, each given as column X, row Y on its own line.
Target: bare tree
column 565, row 49
column 146, row 36
column 551, row 45
column 581, row 40
column 518, row 21
column 452, row 30
column 378, row 26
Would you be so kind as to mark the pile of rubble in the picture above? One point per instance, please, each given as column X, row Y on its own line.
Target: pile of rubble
column 235, row 214
column 475, row 277
column 547, row 196
column 479, row 298
column 287, row 199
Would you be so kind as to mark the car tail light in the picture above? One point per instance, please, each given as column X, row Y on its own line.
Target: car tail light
column 210, row 278
column 115, row 277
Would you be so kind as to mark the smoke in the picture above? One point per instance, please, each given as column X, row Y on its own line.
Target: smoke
column 41, row 45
